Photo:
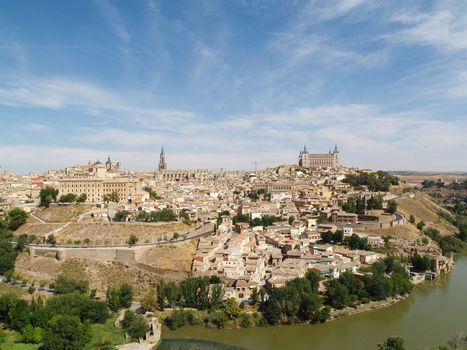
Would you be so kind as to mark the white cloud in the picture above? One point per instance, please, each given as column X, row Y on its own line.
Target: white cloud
column 60, row 93
column 444, row 28
column 36, row 127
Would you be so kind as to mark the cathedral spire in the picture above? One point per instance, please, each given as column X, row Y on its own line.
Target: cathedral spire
column 162, row 162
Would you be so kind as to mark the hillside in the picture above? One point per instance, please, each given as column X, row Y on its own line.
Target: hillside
column 172, row 262
column 424, row 208
column 62, row 213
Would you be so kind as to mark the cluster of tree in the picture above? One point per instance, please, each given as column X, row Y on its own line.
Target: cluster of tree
column 358, row 205
column 13, row 219
column 297, row 301
column 202, row 293
column 420, row 263
column 9, row 251
column 431, row 183
column 388, row 278
column 180, row 317
column 265, row 220
column 336, row 237
column 260, row 193
column 111, row 197
column 353, row 242
column 70, row 198
column 118, row 298
column 379, row 181
column 448, row 244
column 61, row 322
column 47, row 196
column 165, row 215
column 65, row 285
column 121, row 216
column 152, row 194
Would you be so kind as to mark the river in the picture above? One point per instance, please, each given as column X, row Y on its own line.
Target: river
column 434, row 312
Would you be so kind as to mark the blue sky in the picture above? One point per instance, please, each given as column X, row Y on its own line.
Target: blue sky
column 224, row 83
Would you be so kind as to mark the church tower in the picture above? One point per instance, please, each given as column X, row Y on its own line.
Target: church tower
column 162, row 163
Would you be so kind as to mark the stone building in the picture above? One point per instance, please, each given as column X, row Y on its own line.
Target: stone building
column 96, row 180
column 177, row 175
column 319, row 160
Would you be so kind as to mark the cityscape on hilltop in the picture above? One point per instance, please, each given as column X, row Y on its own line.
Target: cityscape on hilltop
column 233, row 175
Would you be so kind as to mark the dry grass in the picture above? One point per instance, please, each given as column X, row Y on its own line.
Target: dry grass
column 417, row 208
column 404, row 231
column 63, row 213
column 425, row 209
column 9, row 288
column 40, row 230
column 170, row 257
column 118, row 233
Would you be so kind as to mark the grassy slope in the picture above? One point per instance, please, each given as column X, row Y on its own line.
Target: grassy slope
column 425, row 209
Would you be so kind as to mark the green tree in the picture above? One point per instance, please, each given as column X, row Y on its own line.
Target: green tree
column 160, row 293
column 136, row 326
column 412, row 219
column 120, row 216
column 82, row 198
column 111, row 197
column 391, row 206
column 66, row 285
column 217, row 296
column 172, row 293
column 232, row 309
column 421, row 225
column 132, row 240
column 47, row 196
column 19, row 315
column 254, row 297
column 66, row 332
column 51, row 240
column 113, row 300
column 125, row 295
column 7, row 253
column 30, row 334
column 67, row 198
column 420, row 263
column 15, row 218
column 337, row 295
column 149, row 302
column 392, row 343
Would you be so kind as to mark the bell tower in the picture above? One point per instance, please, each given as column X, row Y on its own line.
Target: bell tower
column 162, row 162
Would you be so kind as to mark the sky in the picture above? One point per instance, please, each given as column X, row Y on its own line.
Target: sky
column 224, row 83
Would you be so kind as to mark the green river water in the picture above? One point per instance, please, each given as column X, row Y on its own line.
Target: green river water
column 434, row 312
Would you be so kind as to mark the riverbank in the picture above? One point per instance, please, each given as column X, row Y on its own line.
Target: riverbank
column 429, row 316
column 370, row 306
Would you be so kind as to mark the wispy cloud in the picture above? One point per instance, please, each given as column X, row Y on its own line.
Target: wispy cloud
column 114, row 19
column 444, row 28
